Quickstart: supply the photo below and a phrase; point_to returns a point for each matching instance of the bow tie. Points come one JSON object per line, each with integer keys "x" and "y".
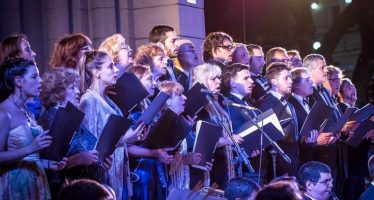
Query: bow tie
{"x": 284, "y": 99}
{"x": 305, "y": 101}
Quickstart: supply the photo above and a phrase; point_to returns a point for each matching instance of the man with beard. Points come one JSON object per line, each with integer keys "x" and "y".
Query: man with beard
{"x": 185, "y": 61}
{"x": 166, "y": 36}
{"x": 316, "y": 180}
{"x": 257, "y": 63}
{"x": 279, "y": 78}
{"x": 217, "y": 49}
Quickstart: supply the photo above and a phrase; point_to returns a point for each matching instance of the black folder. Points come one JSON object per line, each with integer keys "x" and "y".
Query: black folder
{"x": 113, "y": 131}
{"x": 342, "y": 120}
{"x": 363, "y": 113}
{"x": 152, "y": 110}
{"x": 207, "y": 136}
{"x": 360, "y": 133}
{"x": 129, "y": 92}
{"x": 169, "y": 130}
{"x": 65, "y": 123}
{"x": 196, "y": 100}
{"x": 251, "y": 135}
{"x": 316, "y": 119}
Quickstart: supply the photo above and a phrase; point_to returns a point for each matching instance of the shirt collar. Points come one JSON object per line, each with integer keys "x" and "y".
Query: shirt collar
{"x": 276, "y": 94}
{"x": 309, "y": 196}
{"x": 298, "y": 97}
{"x": 237, "y": 95}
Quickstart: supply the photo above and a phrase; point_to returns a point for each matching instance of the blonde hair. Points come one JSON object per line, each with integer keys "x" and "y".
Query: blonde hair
{"x": 112, "y": 45}
{"x": 202, "y": 73}
{"x": 171, "y": 87}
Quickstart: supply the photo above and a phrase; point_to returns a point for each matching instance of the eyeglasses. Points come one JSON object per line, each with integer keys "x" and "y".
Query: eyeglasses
{"x": 227, "y": 47}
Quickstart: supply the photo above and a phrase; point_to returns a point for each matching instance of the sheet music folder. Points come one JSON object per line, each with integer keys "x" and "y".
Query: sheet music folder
{"x": 269, "y": 122}
{"x": 342, "y": 120}
{"x": 360, "y": 133}
{"x": 168, "y": 132}
{"x": 316, "y": 119}
{"x": 65, "y": 123}
{"x": 150, "y": 112}
{"x": 113, "y": 131}
{"x": 363, "y": 113}
{"x": 129, "y": 92}
{"x": 207, "y": 136}
{"x": 195, "y": 100}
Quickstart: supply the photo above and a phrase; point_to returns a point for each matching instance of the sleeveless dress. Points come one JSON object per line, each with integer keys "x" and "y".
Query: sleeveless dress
{"x": 26, "y": 178}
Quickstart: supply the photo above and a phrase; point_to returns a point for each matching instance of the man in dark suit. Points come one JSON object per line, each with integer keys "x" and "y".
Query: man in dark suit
{"x": 185, "y": 61}
{"x": 257, "y": 63}
{"x": 302, "y": 87}
{"x": 331, "y": 154}
{"x": 316, "y": 180}
{"x": 237, "y": 84}
{"x": 279, "y": 79}
{"x": 369, "y": 192}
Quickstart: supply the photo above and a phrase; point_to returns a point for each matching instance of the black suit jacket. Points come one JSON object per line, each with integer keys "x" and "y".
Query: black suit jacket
{"x": 368, "y": 194}
{"x": 260, "y": 89}
{"x": 306, "y": 150}
{"x": 239, "y": 116}
{"x": 289, "y": 143}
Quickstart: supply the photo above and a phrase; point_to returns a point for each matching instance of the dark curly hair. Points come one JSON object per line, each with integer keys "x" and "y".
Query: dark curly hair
{"x": 211, "y": 43}
{"x": 9, "y": 71}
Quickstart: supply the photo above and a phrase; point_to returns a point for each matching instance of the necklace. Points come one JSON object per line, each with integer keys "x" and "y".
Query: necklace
{"x": 22, "y": 109}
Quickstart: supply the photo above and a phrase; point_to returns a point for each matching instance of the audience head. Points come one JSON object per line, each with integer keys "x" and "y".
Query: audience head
{"x": 348, "y": 92}
{"x": 281, "y": 190}
{"x": 186, "y": 54}
{"x": 218, "y": 46}
{"x": 154, "y": 56}
{"x": 277, "y": 54}
{"x": 177, "y": 99}
{"x": 257, "y": 58}
{"x": 317, "y": 67}
{"x": 295, "y": 58}
{"x": 16, "y": 46}
{"x": 116, "y": 47}
{"x": 165, "y": 35}
{"x": 315, "y": 177}
{"x": 279, "y": 78}
{"x": 98, "y": 68}
{"x": 302, "y": 83}
{"x": 20, "y": 77}
{"x": 144, "y": 74}
{"x": 334, "y": 76}
{"x": 240, "y": 54}
{"x": 68, "y": 51}
{"x": 209, "y": 75}
{"x": 60, "y": 86}
{"x": 85, "y": 189}
{"x": 237, "y": 79}
{"x": 241, "y": 188}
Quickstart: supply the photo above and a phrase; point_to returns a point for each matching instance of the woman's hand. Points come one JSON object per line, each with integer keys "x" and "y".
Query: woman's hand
{"x": 40, "y": 142}
{"x": 163, "y": 156}
{"x": 135, "y": 135}
{"x": 255, "y": 153}
{"x": 108, "y": 162}
{"x": 324, "y": 138}
{"x": 191, "y": 158}
{"x": 88, "y": 157}
{"x": 56, "y": 166}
